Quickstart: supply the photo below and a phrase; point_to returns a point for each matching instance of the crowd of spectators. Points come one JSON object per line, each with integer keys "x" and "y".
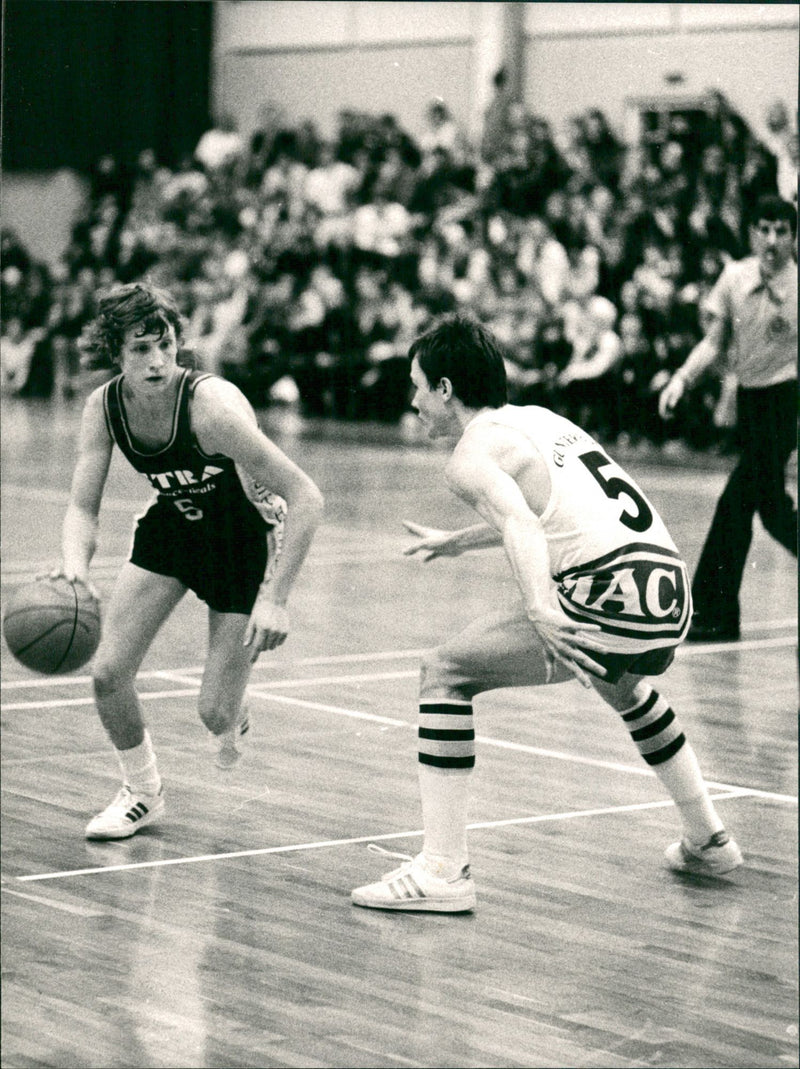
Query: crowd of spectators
{"x": 306, "y": 266}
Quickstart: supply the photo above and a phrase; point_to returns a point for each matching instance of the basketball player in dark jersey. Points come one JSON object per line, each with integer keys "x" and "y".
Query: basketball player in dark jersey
{"x": 233, "y": 519}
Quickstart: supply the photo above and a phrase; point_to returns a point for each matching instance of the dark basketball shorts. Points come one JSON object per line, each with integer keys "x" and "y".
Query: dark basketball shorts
{"x": 223, "y": 566}
{"x": 649, "y": 663}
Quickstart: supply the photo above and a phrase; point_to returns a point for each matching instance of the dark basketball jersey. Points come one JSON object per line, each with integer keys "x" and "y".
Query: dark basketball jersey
{"x": 202, "y": 527}
{"x": 202, "y": 488}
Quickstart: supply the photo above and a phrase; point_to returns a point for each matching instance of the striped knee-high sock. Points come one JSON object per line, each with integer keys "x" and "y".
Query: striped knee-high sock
{"x": 446, "y": 759}
{"x": 654, "y": 729}
{"x": 658, "y": 735}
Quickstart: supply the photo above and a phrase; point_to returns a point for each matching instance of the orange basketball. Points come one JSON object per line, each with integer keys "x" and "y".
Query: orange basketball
{"x": 52, "y": 625}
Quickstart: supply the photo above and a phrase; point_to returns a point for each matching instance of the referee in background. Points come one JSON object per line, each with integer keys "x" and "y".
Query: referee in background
{"x": 753, "y": 310}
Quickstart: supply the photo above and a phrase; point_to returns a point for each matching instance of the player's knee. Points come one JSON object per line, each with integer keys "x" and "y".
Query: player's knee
{"x": 109, "y": 676}
{"x": 440, "y": 677}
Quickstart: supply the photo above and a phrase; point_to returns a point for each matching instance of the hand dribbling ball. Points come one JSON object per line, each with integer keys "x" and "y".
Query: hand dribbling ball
{"x": 52, "y": 625}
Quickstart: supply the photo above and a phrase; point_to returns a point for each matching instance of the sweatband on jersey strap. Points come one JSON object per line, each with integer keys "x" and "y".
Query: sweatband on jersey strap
{"x": 446, "y": 734}
{"x": 655, "y": 729}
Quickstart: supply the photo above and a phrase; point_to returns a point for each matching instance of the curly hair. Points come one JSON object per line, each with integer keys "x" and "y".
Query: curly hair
{"x": 119, "y": 309}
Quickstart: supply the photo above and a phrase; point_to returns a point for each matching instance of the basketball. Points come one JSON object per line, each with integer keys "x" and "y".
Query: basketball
{"x": 52, "y": 625}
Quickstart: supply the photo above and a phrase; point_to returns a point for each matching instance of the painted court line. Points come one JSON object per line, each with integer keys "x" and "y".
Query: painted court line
{"x": 197, "y": 669}
{"x": 64, "y": 907}
{"x": 181, "y": 674}
{"x": 54, "y": 703}
{"x": 517, "y": 747}
{"x": 372, "y": 677}
{"x": 296, "y": 847}
{"x": 285, "y": 699}
{"x": 392, "y": 655}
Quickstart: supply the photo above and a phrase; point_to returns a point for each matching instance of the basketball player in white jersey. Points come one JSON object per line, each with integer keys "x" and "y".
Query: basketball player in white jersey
{"x": 605, "y": 599}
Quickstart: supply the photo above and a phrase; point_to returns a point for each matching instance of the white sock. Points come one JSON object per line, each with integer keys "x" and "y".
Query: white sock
{"x": 139, "y": 768}
{"x": 683, "y": 779}
{"x": 445, "y": 797}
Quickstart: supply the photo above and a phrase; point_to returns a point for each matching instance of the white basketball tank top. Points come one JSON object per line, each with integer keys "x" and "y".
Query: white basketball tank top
{"x": 611, "y": 556}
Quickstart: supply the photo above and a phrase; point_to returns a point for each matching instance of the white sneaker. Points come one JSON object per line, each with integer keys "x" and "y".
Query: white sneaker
{"x": 226, "y": 753}
{"x": 719, "y": 855}
{"x": 126, "y": 814}
{"x": 415, "y": 885}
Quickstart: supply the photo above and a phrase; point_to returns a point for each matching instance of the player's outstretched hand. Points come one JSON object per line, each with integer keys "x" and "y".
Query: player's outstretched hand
{"x": 432, "y": 542}
{"x": 568, "y": 644}
{"x": 670, "y": 396}
{"x": 72, "y": 577}
{"x": 267, "y": 627}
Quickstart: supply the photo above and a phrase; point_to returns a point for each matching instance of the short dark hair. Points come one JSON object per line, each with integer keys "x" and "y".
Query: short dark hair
{"x": 123, "y": 307}
{"x": 462, "y": 350}
{"x": 775, "y": 210}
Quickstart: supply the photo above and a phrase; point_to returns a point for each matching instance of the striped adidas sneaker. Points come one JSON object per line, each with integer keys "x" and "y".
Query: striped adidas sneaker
{"x": 415, "y": 886}
{"x": 126, "y": 814}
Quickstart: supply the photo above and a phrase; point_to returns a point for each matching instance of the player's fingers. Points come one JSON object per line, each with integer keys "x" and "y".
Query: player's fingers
{"x": 579, "y": 674}
{"x": 589, "y": 642}
{"x": 409, "y": 551}
{"x": 592, "y": 667}
{"x": 570, "y": 662}
{"x": 572, "y": 651}
{"x": 414, "y": 528}
{"x": 90, "y": 587}
{"x": 576, "y": 637}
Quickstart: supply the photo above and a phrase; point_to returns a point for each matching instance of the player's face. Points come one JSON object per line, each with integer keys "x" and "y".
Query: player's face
{"x": 429, "y": 404}
{"x": 149, "y": 361}
{"x": 772, "y": 243}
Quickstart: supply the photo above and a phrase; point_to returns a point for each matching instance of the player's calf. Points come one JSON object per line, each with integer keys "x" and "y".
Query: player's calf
{"x": 706, "y": 848}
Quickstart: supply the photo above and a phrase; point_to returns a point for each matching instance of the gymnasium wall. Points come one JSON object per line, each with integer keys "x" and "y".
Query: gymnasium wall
{"x": 317, "y": 84}
{"x": 318, "y": 56}
{"x": 748, "y": 51}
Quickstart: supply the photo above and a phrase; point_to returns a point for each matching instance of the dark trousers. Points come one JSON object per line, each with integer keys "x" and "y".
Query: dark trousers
{"x": 767, "y": 433}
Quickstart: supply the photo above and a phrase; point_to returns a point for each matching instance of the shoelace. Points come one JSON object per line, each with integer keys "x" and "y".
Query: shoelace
{"x": 406, "y": 859}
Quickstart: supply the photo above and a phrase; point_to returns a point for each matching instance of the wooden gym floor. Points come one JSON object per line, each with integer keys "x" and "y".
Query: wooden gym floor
{"x": 224, "y": 935}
